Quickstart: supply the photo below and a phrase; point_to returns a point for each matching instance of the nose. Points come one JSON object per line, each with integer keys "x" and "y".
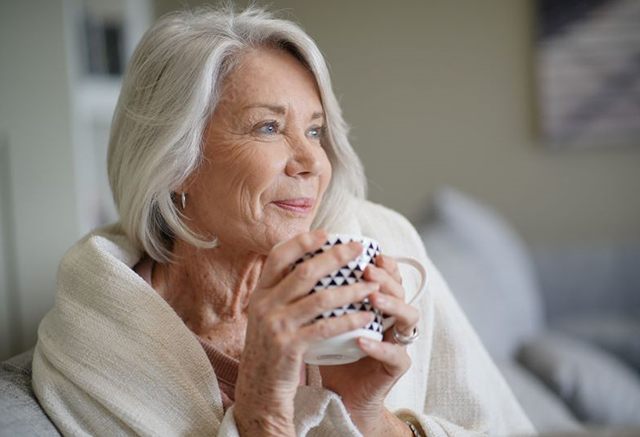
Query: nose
{"x": 304, "y": 159}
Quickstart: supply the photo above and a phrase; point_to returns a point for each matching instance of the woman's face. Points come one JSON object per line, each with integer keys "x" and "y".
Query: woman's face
{"x": 264, "y": 170}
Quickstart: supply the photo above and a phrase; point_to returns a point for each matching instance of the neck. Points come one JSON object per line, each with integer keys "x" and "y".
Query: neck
{"x": 210, "y": 290}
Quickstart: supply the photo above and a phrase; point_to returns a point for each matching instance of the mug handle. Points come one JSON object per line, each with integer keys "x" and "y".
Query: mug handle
{"x": 389, "y": 321}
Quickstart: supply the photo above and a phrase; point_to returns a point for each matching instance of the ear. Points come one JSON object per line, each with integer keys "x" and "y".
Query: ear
{"x": 189, "y": 182}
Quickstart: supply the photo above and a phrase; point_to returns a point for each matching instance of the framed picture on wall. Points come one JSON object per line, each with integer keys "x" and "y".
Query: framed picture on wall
{"x": 588, "y": 72}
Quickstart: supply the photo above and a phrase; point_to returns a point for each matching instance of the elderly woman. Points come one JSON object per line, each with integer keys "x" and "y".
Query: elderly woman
{"x": 228, "y": 161}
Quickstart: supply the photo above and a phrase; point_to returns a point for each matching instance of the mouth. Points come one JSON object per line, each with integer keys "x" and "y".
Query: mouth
{"x": 302, "y": 205}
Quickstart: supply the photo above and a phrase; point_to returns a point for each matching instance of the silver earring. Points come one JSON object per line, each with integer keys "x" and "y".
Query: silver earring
{"x": 183, "y": 200}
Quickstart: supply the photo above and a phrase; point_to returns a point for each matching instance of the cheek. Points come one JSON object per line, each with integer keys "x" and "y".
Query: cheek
{"x": 327, "y": 171}
{"x": 249, "y": 173}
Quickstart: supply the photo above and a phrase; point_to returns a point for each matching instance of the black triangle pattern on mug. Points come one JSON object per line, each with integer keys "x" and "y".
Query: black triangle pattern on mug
{"x": 347, "y": 275}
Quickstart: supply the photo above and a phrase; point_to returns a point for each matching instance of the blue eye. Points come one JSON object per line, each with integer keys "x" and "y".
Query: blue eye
{"x": 269, "y": 128}
{"x": 316, "y": 132}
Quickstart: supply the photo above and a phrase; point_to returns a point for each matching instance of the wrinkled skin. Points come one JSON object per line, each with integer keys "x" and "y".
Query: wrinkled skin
{"x": 241, "y": 296}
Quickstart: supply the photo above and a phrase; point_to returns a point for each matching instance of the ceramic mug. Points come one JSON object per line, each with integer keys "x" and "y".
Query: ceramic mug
{"x": 343, "y": 348}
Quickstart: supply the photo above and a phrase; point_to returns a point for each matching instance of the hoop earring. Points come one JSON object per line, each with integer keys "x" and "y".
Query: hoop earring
{"x": 183, "y": 200}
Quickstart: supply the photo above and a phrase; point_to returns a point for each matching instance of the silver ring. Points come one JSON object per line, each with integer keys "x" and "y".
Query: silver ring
{"x": 405, "y": 339}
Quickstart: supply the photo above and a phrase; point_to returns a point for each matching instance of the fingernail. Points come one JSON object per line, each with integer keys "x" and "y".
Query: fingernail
{"x": 369, "y": 315}
{"x": 366, "y": 343}
{"x": 368, "y": 318}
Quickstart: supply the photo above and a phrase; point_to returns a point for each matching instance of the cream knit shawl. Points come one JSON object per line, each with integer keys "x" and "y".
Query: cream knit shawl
{"x": 113, "y": 358}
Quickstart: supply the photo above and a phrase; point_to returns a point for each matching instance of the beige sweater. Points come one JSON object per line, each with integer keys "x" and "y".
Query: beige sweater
{"x": 113, "y": 358}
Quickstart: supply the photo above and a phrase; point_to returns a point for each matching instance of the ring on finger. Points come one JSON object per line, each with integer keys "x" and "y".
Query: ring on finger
{"x": 405, "y": 339}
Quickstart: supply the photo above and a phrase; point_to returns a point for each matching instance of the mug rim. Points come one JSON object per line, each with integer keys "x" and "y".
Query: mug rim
{"x": 353, "y": 237}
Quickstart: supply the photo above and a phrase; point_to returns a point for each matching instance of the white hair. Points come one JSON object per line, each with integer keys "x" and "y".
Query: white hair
{"x": 171, "y": 88}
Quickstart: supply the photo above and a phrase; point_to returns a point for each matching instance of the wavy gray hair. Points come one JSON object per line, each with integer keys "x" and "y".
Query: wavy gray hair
{"x": 171, "y": 88}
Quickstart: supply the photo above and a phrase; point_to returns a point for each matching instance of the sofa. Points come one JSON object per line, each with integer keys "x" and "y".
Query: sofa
{"x": 20, "y": 412}
{"x": 562, "y": 322}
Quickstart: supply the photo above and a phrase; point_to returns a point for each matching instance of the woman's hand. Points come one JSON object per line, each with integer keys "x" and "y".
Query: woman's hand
{"x": 279, "y": 332}
{"x": 364, "y": 385}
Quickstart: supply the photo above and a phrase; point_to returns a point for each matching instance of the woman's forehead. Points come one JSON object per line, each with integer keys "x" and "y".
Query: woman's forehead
{"x": 268, "y": 78}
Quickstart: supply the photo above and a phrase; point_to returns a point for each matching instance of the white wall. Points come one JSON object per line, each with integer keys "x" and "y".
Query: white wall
{"x": 6, "y": 295}
{"x": 34, "y": 117}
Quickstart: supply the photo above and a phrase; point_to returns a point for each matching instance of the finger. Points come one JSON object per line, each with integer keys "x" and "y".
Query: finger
{"x": 309, "y": 307}
{"x": 306, "y": 275}
{"x": 327, "y": 328}
{"x": 390, "y": 265}
{"x": 393, "y": 357}
{"x": 284, "y": 254}
{"x": 407, "y": 316}
{"x": 387, "y": 283}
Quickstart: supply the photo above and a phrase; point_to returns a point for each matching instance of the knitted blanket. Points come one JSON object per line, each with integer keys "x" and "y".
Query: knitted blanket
{"x": 113, "y": 358}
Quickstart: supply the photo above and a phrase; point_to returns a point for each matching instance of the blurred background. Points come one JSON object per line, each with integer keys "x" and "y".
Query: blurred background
{"x": 507, "y": 131}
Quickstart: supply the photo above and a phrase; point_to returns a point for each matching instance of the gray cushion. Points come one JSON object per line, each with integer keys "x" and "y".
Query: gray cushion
{"x": 20, "y": 413}
{"x": 599, "y": 388}
{"x": 545, "y": 410}
{"x": 605, "y": 274}
{"x": 487, "y": 267}
{"x": 615, "y": 333}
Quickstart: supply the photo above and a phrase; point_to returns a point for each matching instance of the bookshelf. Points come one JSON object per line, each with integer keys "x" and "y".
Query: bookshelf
{"x": 101, "y": 37}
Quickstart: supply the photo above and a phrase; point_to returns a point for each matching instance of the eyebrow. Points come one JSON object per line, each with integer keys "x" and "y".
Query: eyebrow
{"x": 281, "y": 110}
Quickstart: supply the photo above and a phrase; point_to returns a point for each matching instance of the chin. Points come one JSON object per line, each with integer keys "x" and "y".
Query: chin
{"x": 286, "y": 232}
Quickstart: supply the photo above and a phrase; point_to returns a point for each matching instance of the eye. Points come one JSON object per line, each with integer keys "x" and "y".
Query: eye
{"x": 315, "y": 132}
{"x": 271, "y": 127}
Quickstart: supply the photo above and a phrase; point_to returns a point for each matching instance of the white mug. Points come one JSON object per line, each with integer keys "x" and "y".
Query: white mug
{"x": 343, "y": 348}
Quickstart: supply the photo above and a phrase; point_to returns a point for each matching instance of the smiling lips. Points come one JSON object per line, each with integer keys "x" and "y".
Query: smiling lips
{"x": 301, "y": 204}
